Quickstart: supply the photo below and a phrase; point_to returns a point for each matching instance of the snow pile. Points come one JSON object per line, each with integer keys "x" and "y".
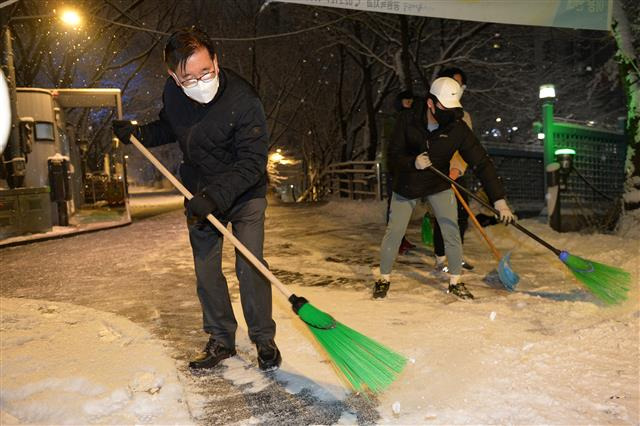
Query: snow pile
{"x": 65, "y": 364}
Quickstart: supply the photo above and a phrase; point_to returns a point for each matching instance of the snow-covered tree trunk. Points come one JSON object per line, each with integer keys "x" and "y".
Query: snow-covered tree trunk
{"x": 628, "y": 60}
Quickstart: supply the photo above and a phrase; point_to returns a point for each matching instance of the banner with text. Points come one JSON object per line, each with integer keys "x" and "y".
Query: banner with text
{"x": 579, "y": 14}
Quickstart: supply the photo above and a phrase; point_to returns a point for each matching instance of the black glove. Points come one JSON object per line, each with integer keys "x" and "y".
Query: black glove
{"x": 123, "y": 129}
{"x": 201, "y": 205}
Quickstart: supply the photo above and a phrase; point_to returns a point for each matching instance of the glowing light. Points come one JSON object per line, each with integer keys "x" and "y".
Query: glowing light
{"x": 277, "y": 157}
{"x": 540, "y": 135}
{"x": 70, "y": 17}
{"x": 498, "y": 120}
{"x": 564, "y": 151}
{"x": 547, "y": 91}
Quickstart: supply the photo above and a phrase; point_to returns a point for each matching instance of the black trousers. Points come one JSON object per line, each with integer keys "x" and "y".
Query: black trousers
{"x": 247, "y": 221}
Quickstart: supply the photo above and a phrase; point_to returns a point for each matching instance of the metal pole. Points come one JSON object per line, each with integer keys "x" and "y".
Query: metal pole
{"x": 378, "y": 182}
{"x": 547, "y": 128}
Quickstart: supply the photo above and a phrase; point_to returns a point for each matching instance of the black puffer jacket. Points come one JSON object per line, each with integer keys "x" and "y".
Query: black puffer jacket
{"x": 411, "y": 137}
{"x": 224, "y": 143}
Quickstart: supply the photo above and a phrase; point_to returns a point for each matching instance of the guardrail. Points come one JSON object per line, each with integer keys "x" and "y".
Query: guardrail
{"x": 353, "y": 180}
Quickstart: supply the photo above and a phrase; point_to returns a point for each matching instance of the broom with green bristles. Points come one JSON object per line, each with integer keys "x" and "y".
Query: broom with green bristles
{"x": 368, "y": 365}
{"x": 609, "y": 283}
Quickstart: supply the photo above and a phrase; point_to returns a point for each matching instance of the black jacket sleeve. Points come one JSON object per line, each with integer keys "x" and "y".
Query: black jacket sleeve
{"x": 398, "y": 156}
{"x": 250, "y": 157}
{"x": 157, "y": 132}
{"x": 478, "y": 159}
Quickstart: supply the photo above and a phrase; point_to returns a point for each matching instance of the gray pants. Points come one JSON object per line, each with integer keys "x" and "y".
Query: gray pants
{"x": 247, "y": 220}
{"x": 444, "y": 207}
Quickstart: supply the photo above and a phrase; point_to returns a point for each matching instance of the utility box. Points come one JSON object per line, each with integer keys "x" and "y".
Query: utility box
{"x": 9, "y": 214}
{"x": 24, "y": 211}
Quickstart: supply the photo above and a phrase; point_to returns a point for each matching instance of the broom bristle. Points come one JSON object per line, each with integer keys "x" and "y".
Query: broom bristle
{"x": 314, "y": 317}
{"x": 608, "y": 283}
{"x": 365, "y": 363}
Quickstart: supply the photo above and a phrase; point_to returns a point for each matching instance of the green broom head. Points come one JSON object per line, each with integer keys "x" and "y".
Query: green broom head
{"x": 608, "y": 283}
{"x": 366, "y": 364}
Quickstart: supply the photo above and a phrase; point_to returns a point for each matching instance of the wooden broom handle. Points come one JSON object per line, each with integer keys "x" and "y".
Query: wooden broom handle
{"x": 493, "y": 248}
{"x": 215, "y": 222}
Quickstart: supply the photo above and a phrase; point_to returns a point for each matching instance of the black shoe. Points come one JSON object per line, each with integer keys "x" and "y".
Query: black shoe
{"x": 380, "y": 288}
{"x": 466, "y": 265}
{"x": 269, "y": 358}
{"x": 212, "y": 354}
{"x": 460, "y": 290}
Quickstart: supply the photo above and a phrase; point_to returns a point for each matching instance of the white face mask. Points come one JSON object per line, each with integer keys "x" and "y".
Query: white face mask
{"x": 203, "y": 92}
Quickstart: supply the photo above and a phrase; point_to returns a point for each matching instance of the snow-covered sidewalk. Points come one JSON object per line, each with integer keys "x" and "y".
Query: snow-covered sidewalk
{"x": 548, "y": 353}
{"x": 67, "y": 364}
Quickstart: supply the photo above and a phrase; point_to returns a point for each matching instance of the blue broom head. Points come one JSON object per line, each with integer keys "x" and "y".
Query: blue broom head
{"x": 608, "y": 283}
{"x": 508, "y": 277}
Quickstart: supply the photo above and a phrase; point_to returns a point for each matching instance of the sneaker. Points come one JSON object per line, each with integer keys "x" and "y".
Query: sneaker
{"x": 466, "y": 265}
{"x": 440, "y": 271}
{"x": 269, "y": 358}
{"x": 380, "y": 288}
{"x": 460, "y": 290}
{"x": 213, "y": 353}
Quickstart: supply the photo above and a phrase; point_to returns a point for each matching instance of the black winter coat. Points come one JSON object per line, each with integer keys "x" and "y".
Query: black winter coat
{"x": 411, "y": 137}
{"x": 224, "y": 143}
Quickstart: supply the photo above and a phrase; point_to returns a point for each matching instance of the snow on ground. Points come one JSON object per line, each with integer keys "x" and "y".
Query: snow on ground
{"x": 548, "y": 353}
{"x": 66, "y": 364}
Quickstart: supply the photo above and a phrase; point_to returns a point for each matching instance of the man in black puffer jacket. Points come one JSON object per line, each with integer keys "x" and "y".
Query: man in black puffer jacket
{"x": 429, "y": 134}
{"x": 218, "y": 120}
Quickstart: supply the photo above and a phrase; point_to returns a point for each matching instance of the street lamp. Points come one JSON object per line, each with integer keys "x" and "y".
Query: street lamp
{"x": 71, "y": 18}
{"x": 548, "y": 95}
{"x": 547, "y": 91}
{"x": 557, "y": 176}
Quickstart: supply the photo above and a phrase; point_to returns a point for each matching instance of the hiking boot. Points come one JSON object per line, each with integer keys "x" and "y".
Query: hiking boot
{"x": 213, "y": 353}
{"x": 269, "y": 358}
{"x": 380, "y": 288}
{"x": 460, "y": 290}
{"x": 466, "y": 265}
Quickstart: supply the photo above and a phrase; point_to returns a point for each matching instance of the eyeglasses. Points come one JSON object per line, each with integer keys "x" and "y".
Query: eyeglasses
{"x": 193, "y": 82}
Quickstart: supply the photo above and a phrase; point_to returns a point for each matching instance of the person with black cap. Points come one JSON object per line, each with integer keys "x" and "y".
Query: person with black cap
{"x": 428, "y": 135}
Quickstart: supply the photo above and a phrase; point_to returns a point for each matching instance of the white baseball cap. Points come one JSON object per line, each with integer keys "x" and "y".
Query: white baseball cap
{"x": 448, "y": 92}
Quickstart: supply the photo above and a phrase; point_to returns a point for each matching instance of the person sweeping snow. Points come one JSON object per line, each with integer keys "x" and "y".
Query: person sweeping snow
{"x": 218, "y": 120}
{"x": 418, "y": 145}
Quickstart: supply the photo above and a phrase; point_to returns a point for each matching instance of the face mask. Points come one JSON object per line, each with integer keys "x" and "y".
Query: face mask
{"x": 444, "y": 117}
{"x": 203, "y": 92}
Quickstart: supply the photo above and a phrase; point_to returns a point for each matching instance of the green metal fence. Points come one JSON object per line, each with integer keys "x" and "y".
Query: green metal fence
{"x": 600, "y": 157}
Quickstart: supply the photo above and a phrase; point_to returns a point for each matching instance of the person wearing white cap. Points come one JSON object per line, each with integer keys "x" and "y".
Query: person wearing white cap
{"x": 417, "y": 146}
